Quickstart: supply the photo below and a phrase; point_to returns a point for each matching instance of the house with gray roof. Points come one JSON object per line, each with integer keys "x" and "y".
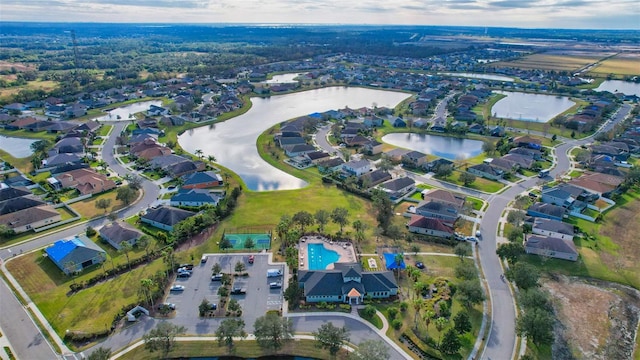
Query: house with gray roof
{"x": 346, "y": 283}
{"x": 298, "y": 149}
{"x": 76, "y": 254}
{"x": 202, "y": 180}
{"x": 398, "y": 187}
{"x": 374, "y": 178}
{"x": 551, "y": 247}
{"x": 552, "y": 228}
{"x": 330, "y": 165}
{"x": 356, "y": 167}
{"x": 118, "y": 232}
{"x": 438, "y": 210}
{"x": 486, "y": 171}
{"x": 414, "y": 159}
{"x": 62, "y": 159}
{"x": 165, "y": 217}
{"x": 547, "y": 211}
{"x": 195, "y": 198}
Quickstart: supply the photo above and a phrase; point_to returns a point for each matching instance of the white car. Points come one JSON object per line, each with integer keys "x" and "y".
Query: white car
{"x": 177, "y": 288}
{"x": 275, "y": 285}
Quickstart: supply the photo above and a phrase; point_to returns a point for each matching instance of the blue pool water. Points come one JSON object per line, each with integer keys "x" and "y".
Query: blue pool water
{"x": 320, "y": 257}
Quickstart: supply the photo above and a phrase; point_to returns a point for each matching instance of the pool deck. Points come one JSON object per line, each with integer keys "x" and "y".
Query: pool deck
{"x": 347, "y": 253}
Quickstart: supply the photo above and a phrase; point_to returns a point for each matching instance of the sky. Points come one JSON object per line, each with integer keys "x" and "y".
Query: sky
{"x": 568, "y": 14}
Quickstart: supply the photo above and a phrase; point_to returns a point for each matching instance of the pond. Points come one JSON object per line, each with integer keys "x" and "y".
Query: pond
{"x": 126, "y": 112}
{"x": 442, "y": 146}
{"x": 530, "y": 107}
{"x": 233, "y": 142}
{"x": 480, "y": 76}
{"x": 618, "y": 86}
{"x": 16, "y": 147}
{"x": 282, "y": 79}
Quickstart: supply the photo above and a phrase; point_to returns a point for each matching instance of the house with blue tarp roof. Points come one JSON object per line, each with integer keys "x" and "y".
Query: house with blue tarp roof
{"x": 75, "y": 254}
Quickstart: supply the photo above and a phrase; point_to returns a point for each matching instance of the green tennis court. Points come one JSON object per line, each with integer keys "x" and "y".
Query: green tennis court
{"x": 260, "y": 241}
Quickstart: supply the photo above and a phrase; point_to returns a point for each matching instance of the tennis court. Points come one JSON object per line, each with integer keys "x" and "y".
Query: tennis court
{"x": 260, "y": 240}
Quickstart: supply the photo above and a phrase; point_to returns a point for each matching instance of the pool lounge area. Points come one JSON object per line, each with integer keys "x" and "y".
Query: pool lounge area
{"x": 319, "y": 253}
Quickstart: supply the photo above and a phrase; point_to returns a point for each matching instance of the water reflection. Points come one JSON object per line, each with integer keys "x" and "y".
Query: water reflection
{"x": 442, "y": 146}
{"x": 530, "y": 107}
{"x": 233, "y": 142}
{"x": 126, "y": 112}
{"x": 618, "y": 86}
{"x": 16, "y": 147}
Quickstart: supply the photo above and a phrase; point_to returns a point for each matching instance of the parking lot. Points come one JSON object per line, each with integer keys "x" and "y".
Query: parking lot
{"x": 258, "y": 299}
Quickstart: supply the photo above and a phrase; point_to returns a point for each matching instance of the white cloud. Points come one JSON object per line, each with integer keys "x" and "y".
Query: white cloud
{"x": 520, "y": 13}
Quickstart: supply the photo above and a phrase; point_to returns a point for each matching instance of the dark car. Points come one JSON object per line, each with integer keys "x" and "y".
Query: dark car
{"x": 238, "y": 291}
{"x": 184, "y": 274}
{"x": 420, "y": 265}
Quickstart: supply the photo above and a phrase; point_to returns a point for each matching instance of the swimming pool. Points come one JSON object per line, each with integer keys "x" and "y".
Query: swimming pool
{"x": 320, "y": 257}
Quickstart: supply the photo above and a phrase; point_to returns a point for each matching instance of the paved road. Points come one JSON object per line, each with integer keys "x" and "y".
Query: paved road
{"x": 502, "y": 338}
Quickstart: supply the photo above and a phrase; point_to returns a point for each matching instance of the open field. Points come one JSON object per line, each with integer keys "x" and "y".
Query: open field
{"x": 551, "y": 62}
{"x": 628, "y": 64}
{"x": 88, "y": 210}
{"x": 45, "y": 85}
{"x": 88, "y": 310}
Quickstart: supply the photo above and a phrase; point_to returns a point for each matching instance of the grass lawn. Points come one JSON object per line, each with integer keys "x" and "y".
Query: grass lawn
{"x": 153, "y": 175}
{"x": 66, "y": 214}
{"x": 23, "y": 164}
{"x": 417, "y": 196}
{"x": 575, "y": 173}
{"x": 480, "y": 184}
{"x": 98, "y": 141}
{"x": 105, "y": 130}
{"x": 365, "y": 263}
{"x": 475, "y": 203}
{"x": 29, "y": 134}
{"x": 88, "y": 310}
{"x": 244, "y": 349}
{"x": 88, "y": 209}
{"x": 374, "y": 320}
{"x": 424, "y": 187}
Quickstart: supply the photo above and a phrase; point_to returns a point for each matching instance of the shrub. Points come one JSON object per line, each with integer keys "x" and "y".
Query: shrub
{"x": 91, "y": 232}
{"x": 392, "y": 312}
{"x": 403, "y": 306}
{"x": 396, "y": 324}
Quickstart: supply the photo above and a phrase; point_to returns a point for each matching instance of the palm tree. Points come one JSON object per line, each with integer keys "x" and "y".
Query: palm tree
{"x": 417, "y": 287}
{"x": 125, "y": 248}
{"x": 198, "y": 153}
{"x": 427, "y": 316}
{"x": 211, "y": 158}
{"x": 417, "y": 306}
{"x": 147, "y": 286}
{"x": 144, "y": 242}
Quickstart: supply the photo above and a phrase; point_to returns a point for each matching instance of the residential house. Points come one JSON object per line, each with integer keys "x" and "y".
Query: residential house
{"x": 62, "y": 159}
{"x": 119, "y": 232}
{"x": 356, "y": 167}
{"x": 445, "y": 197}
{"x": 532, "y": 153}
{"x": 395, "y": 155}
{"x": 89, "y": 126}
{"x": 330, "y": 165}
{"x": 593, "y": 185}
{"x": 414, "y": 159}
{"x": 165, "y": 217}
{"x": 557, "y": 196}
{"x": 87, "y": 181}
{"x": 374, "y": 178}
{"x": 486, "y": 171}
{"x": 552, "y": 228}
{"x": 505, "y": 165}
{"x": 372, "y": 147}
{"x": 28, "y": 218}
{"x": 317, "y": 156}
{"x": 346, "y": 283}
{"x": 357, "y": 140}
{"x": 547, "y": 211}
{"x": 201, "y": 180}
{"x": 497, "y": 131}
{"x": 157, "y": 111}
{"x": 135, "y": 140}
{"x": 429, "y": 226}
{"x": 184, "y": 168}
{"x": 76, "y": 254}
{"x": 447, "y": 213}
{"x": 551, "y": 247}
{"x": 399, "y": 123}
{"x": 56, "y": 127}
{"x": 72, "y": 145}
{"x": 520, "y": 161}
{"x": 290, "y": 141}
{"x": 398, "y": 188}
{"x": 195, "y": 198}
{"x": 527, "y": 141}
{"x": 297, "y": 150}
{"x": 435, "y": 164}
{"x": 476, "y": 128}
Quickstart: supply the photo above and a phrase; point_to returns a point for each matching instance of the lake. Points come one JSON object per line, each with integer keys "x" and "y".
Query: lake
{"x": 618, "y": 86}
{"x": 16, "y": 147}
{"x": 233, "y": 142}
{"x": 128, "y": 110}
{"x": 530, "y": 107}
{"x": 282, "y": 79}
{"x": 480, "y": 76}
{"x": 442, "y": 146}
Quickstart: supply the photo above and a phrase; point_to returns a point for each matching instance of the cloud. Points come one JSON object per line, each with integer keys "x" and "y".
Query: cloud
{"x": 513, "y": 4}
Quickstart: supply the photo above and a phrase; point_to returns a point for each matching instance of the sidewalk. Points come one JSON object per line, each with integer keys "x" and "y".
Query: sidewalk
{"x": 4, "y": 342}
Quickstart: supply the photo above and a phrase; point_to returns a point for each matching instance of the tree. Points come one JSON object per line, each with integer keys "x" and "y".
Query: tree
{"x": 303, "y": 219}
{"x": 340, "y": 216}
{"x": 534, "y": 298}
{"x": 537, "y": 325}
{"x": 385, "y": 164}
{"x": 225, "y": 244}
{"x": 415, "y": 249}
{"x": 144, "y": 242}
{"x": 36, "y": 161}
{"x": 134, "y": 182}
{"x": 461, "y": 321}
{"x": 394, "y": 232}
{"x": 100, "y": 353}
{"x": 147, "y": 285}
{"x": 370, "y": 350}
{"x": 228, "y": 329}
{"x": 463, "y": 249}
{"x": 441, "y": 323}
{"x": 249, "y": 243}
{"x": 293, "y": 293}
{"x": 5, "y": 232}
{"x": 217, "y": 268}
{"x": 40, "y": 147}
{"x": 489, "y": 147}
{"x": 427, "y": 316}
{"x": 444, "y": 171}
{"x": 470, "y": 292}
{"x": 198, "y": 153}
{"x": 450, "y": 343}
{"x": 211, "y": 158}
{"x": 240, "y": 267}
{"x": 126, "y": 248}
{"x": 467, "y": 178}
{"x": 331, "y": 337}
{"x": 322, "y": 218}
{"x": 515, "y": 217}
{"x": 466, "y": 270}
{"x": 524, "y": 275}
{"x": 510, "y": 251}
{"x": 272, "y": 331}
{"x": 126, "y": 194}
{"x": 103, "y": 203}
{"x": 369, "y": 311}
{"x": 384, "y": 209}
{"x": 515, "y": 235}
{"x": 162, "y": 337}
{"x": 90, "y": 232}
{"x": 417, "y": 306}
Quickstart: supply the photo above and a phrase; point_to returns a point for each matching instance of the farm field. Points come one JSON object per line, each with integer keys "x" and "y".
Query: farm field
{"x": 31, "y": 85}
{"x": 551, "y": 62}
{"x": 618, "y": 65}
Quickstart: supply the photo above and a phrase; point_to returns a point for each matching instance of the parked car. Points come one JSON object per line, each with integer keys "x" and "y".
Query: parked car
{"x": 420, "y": 265}
{"x": 203, "y": 259}
{"x": 275, "y": 285}
{"x": 274, "y": 273}
{"x": 184, "y": 274}
{"x": 252, "y": 258}
{"x": 238, "y": 290}
{"x": 471, "y": 238}
{"x": 186, "y": 266}
{"x": 216, "y": 277}
{"x": 171, "y": 306}
{"x": 213, "y": 306}
{"x": 177, "y": 288}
